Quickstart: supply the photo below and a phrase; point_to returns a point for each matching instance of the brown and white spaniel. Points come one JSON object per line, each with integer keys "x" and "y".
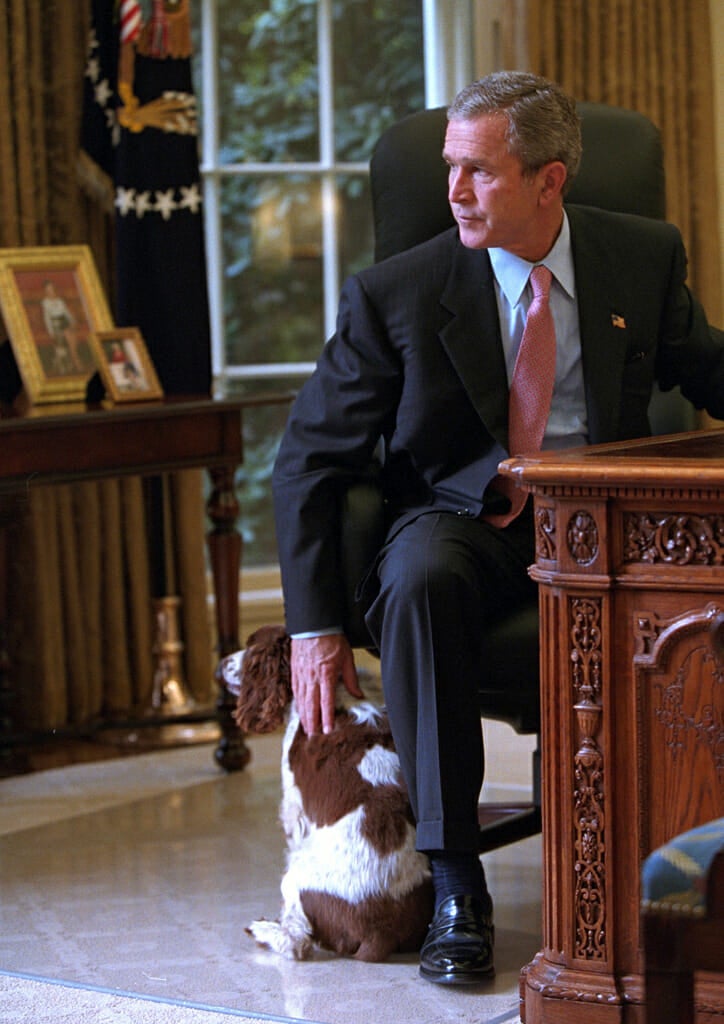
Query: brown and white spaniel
{"x": 354, "y": 882}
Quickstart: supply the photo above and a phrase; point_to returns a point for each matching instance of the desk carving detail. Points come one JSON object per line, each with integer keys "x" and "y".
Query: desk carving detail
{"x": 698, "y": 671}
{"x": 582, "y": 538}
{"x": 545, "y": 532}
{"x": 674, "y": 538}
{"x": 589, "y": 780}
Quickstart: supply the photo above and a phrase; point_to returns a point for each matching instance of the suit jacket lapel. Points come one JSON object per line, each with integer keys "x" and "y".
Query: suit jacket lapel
{"x": 472, "y": 337}
{"x": 602, "y": 325}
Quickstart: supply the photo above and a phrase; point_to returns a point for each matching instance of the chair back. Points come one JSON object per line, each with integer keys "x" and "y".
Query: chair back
{"x": 622, "y": 169}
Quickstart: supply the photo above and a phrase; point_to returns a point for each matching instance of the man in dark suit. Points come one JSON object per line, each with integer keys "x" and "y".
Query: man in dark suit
{"x": 423, "y": 358}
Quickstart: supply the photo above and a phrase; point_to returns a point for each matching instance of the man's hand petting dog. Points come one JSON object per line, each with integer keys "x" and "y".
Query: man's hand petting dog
{"x": 319, "y": 664}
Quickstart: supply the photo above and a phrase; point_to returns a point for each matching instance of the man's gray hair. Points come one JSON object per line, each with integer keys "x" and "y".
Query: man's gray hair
{"x": 543, "y": 124}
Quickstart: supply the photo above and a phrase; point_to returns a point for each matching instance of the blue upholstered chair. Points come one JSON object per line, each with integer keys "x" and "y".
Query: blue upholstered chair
{"x": 682, "y": 890}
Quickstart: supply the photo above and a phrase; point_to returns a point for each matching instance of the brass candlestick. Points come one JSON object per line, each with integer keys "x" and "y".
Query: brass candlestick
{"x": 170, "y": 696}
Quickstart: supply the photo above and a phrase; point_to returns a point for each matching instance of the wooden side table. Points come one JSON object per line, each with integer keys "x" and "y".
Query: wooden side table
{"x": 630, "y": 566}
{"x": 148, "y": 438}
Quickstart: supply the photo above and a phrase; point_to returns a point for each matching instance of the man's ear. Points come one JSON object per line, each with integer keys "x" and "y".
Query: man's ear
{"x": 552, "y": 179}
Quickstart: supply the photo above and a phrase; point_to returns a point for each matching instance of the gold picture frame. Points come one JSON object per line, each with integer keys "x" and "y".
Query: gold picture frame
{"x": 51, "y": 301}
{"x": 125, "y": 366}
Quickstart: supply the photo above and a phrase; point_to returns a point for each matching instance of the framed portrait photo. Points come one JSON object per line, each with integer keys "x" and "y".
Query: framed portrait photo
{"x": 125, "y": 366}
{"x": 51, "y": 301}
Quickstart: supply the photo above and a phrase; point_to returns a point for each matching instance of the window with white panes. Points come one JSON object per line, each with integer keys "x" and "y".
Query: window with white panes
{"x": 293, "y": 95}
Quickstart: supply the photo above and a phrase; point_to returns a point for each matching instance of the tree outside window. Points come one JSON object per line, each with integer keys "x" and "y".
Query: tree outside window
{"x": 299, "y": 92}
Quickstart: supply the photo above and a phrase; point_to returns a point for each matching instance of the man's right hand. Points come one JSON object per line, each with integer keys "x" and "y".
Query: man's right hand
{"x": 318, "y": 664}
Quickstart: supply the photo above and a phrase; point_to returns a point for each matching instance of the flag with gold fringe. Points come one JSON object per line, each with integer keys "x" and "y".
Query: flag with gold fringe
{"x": 140, "y": 148}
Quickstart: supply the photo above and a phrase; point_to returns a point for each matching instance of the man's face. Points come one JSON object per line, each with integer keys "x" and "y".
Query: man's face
{"x": 494, "y": 204}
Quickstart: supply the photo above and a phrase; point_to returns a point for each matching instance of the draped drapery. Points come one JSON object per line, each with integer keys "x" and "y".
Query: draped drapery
{"x": 79, "y": 589}
{"x": 653, "y": 56}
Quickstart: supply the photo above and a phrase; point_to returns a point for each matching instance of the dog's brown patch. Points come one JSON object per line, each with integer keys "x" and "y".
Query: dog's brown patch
{"x": 387, "y": 815}
{"x": 325, "y": 767}
{"x": 374, "y": 928}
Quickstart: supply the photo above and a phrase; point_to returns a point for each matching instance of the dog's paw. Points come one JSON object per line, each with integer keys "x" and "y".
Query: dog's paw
{"x": 274, "y": 936}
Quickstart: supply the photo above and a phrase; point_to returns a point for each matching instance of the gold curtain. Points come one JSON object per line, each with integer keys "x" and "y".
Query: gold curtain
{"x": 653, "y": 56}
{"x": 80, "y": 623}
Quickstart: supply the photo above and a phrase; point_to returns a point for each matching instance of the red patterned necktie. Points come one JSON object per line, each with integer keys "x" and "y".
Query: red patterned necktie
{"x": 531, "y": 388}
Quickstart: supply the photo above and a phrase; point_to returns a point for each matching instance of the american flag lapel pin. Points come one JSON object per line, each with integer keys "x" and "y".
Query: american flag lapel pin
{"x": 618, "y": 321}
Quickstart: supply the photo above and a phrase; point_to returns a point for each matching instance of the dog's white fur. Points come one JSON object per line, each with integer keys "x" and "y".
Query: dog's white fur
{"x": 354, "y": 881}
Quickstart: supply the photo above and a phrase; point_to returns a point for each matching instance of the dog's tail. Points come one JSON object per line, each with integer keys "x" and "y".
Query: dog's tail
{"x": 290, "y": 939}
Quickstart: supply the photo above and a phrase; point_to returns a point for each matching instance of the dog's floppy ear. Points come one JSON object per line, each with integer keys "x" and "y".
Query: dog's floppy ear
{"x": 266, "y": 681}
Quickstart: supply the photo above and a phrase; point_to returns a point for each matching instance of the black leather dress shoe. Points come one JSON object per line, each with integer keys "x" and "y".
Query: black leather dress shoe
{"x": 458, "y": 948}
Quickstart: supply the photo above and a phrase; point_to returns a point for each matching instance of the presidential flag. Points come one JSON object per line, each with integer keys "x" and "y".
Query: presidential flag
{"x": 140, "y": 144}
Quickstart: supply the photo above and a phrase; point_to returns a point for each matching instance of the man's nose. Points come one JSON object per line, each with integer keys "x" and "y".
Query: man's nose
{"x": 458, "y": 185}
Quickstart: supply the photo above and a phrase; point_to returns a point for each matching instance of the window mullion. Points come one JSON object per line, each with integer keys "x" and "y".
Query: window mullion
{"x": 330, "y": 240}
{"x": 211, "y": 185}
{"x": 448, "y": 44}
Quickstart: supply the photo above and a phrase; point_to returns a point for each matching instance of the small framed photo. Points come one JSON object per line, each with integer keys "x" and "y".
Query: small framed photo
{"x": 125, "y": 365}
{"x": 51, "y": 301}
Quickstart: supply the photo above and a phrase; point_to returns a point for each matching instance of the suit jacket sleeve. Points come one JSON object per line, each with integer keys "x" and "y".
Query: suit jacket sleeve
{"x": 333, "y": 428}
{"x": 691, "y": 351}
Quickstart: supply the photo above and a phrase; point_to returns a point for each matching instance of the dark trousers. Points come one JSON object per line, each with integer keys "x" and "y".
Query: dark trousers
{"x": 442, "y": 577}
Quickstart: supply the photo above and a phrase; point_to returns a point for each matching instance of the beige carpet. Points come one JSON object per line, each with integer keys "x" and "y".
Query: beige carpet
{"x": 24, "y": 1000}
{"x": 33, "y": 1001}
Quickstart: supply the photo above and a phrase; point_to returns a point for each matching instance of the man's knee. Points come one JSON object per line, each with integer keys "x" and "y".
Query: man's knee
{"x": 428, "y": 564}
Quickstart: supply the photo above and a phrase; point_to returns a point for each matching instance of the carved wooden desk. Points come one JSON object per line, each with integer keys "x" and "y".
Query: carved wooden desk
{"x": 146, "y": 438}
{"x": 630, "y": 567}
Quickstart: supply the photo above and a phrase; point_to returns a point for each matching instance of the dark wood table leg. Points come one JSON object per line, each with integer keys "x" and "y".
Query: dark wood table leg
{"x": 12, "y": 762}
{"x": 6, "y": 695}
{"x": 225, "y": 546}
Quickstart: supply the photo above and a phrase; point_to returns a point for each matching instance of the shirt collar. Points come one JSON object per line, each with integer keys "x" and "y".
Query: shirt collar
{"x": 512, "y": 272}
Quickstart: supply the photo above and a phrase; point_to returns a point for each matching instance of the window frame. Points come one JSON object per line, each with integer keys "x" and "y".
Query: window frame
{"x": 447, "y": 62}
